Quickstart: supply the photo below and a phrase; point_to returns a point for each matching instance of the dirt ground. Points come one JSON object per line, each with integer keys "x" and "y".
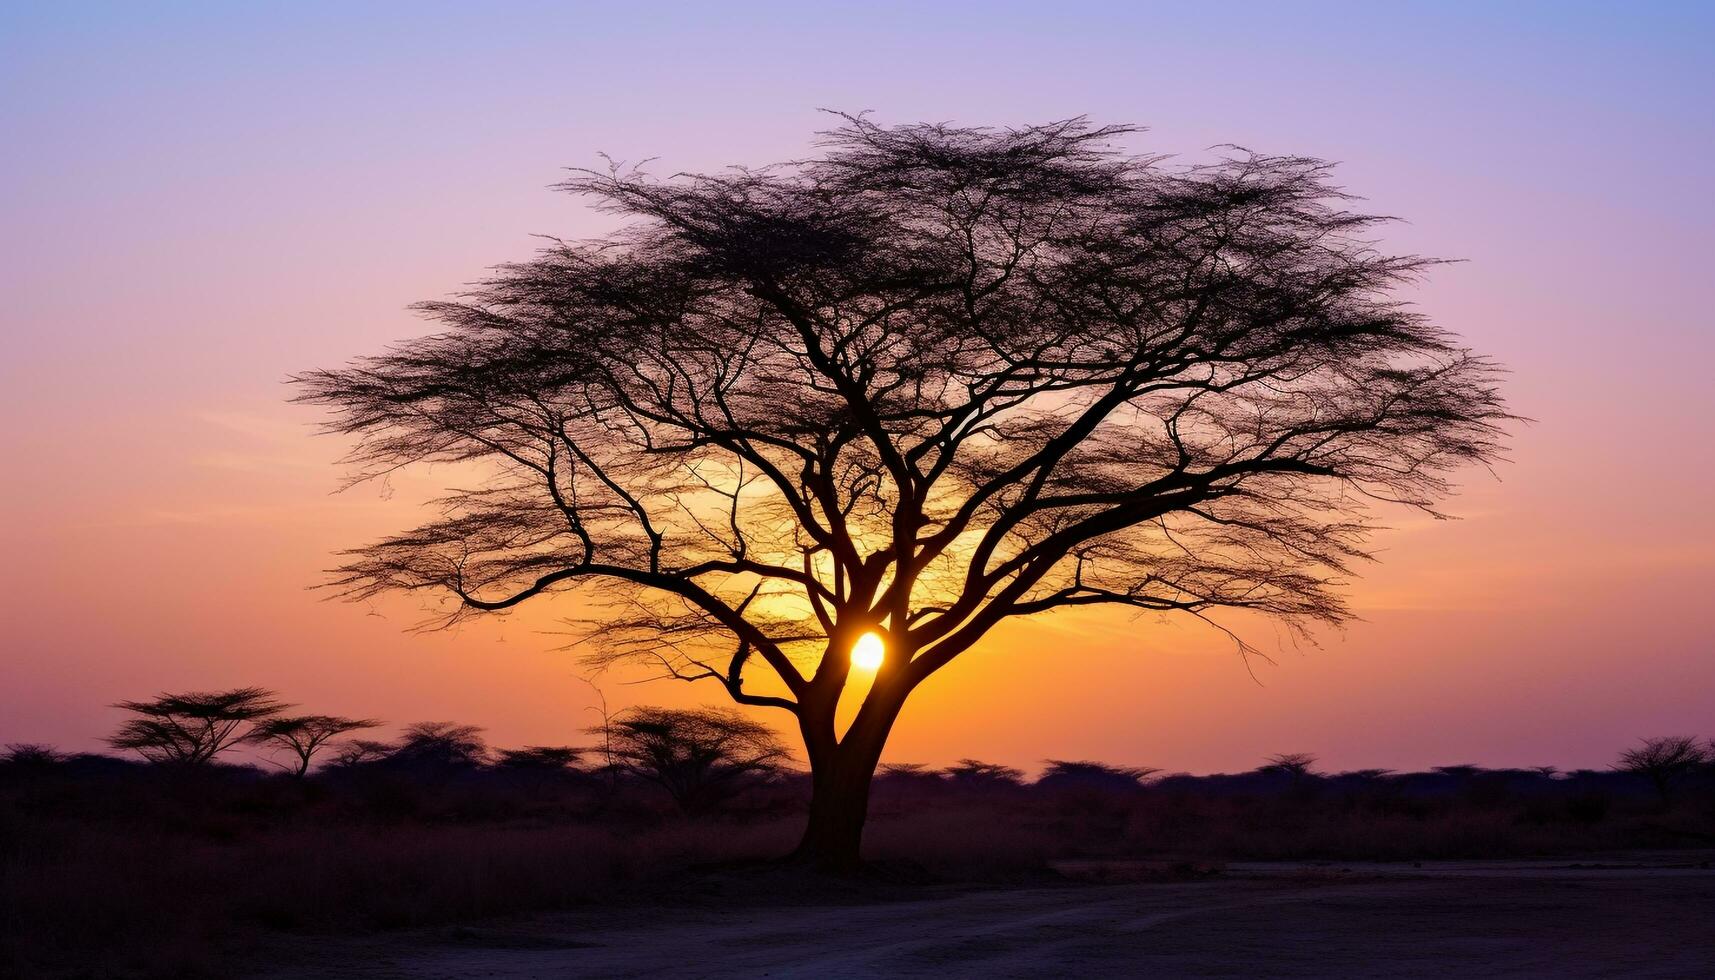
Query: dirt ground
{"x": 1630, "y": 918}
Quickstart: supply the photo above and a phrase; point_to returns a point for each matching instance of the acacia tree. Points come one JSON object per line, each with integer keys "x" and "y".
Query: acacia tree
{"x": 1085, "y": 774}
{"x": 1665, "y": 761}
{"x": 699, "y": 756}
{"x": 192, "y": 728}
{"x": 930, "y": 380}
{"x": 1294, "y": 764}
{"x": 989, "y": 775}
{"x": 440, "y": 745}
{"x": 305, "y": 735}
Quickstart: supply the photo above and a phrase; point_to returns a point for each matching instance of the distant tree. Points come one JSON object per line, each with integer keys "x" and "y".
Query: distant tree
{"x": 1368, "y": 775}
{"x": 440, "y": 745}
{"x": 1294, "y": 764}
{"x": 305, "y": 735}
{"x": 935, "y": 379}
{"x": 541, "y": 757}
{"x": 701, "y": 757}
{"x": 191, "y": 729}
{"x": 32, "y": 755}
{"x": 975, "y": 772}
{"x": 909, "y": 770}
{"x": 1382, "y": 788}
{"x": 358, "y": 752}
{"x": 1461, "y": 771}
{"x": 1061, "y": 773}
{"x": 1665, "y": 761}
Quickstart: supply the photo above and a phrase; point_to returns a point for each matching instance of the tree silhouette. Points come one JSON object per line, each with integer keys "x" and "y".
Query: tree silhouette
{"x": 914, "y": 773}
{"x": 542, "y": 758}
{"x": 191, "y": 729}
{"x": 305, "y": 735}
{"x": 30, "y": 755}
{"x": 978, "y": 774}
{"x": 701, "y": 757}
{"x": 439, "y": 745}
{"x": 1294, "y": 764}
{"x": 359, "y": 752}
{"x": 931, "y": 380}
{"x": 1665, "y": 761}
{"x": 1085, "y": 774}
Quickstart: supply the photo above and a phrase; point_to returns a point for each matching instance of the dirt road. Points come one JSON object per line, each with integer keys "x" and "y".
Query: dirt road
{"x": 1437, "y": 920}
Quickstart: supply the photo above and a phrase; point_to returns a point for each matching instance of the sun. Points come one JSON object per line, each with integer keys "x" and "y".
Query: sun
{"x": 868, "y": 652}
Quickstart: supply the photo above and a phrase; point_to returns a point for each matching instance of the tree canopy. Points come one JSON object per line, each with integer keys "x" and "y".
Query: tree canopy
{"x": 934, "y": 378}
{"x": 305, "y": 735}
{"x": 194, "y": 727}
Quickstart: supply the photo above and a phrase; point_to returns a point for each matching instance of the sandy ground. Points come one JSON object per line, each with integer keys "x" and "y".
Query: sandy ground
{"x": 1520, "y": 919}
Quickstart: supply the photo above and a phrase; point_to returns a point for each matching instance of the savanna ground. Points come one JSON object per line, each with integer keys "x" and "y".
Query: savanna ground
{"x": 1621, "y": 917}
{"x": 112, "y": 869}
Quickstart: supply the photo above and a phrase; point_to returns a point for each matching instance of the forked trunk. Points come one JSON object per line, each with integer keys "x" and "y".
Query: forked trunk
{"x": 840, "y": 777}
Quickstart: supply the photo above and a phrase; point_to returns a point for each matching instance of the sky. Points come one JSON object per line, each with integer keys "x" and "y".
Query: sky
{"x": 197, "y": 200}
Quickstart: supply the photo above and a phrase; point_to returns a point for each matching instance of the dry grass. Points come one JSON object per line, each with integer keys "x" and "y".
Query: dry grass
{"x": 153, "y": 902}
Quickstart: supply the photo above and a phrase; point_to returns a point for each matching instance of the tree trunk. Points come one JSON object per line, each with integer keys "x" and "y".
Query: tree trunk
{"x": 840, "y": 775}
{"x": 839, "y": 803}
{"x": 841, "y": 770}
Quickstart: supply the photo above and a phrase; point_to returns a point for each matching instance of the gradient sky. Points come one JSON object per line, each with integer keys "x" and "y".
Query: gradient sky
{"x": 196, "y": 200}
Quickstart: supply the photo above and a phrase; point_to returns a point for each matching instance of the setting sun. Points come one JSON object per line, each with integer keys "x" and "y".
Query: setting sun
{"x": 868, "y": 652}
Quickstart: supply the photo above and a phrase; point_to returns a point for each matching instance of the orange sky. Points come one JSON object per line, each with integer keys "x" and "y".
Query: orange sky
{"x": 197, "y": 208}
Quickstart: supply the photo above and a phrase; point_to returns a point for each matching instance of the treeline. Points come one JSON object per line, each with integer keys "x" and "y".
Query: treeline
{"x": 698, "y": 758}
{"x": 702, "y": 760}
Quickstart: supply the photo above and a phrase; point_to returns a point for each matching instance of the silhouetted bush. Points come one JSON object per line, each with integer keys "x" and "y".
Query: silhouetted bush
{"x": 1085, "y": 775}
{"x": 26, "y": 755}
{"x": 553, "y": 758}
{"x": 1296, "y": 764}
{"x": 438, "y": 745}
{"x": 976, "y": 774}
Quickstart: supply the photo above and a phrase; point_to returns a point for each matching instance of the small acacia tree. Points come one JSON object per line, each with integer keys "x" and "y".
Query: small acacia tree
{"x": 931, "y": 380}
{"x": 1295, "y": 764}
{"x": 977, "y": 774}
{"x": 440, "y": 745}
{"x": 191, "y": 729}
{"x": 701, "y": 757}
{"x": 1666, "y": 761}
{"x": 305, "y": 735}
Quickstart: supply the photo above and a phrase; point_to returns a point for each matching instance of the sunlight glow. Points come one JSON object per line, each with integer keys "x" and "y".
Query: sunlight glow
{"x": 868, "y": 652}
